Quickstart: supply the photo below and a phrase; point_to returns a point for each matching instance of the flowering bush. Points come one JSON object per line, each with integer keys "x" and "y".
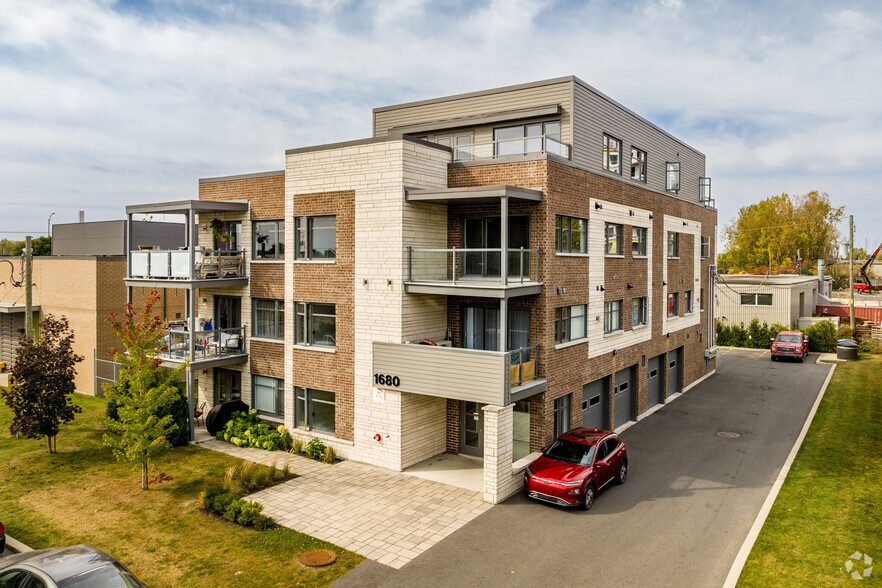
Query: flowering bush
{"x": 247, "y": 430}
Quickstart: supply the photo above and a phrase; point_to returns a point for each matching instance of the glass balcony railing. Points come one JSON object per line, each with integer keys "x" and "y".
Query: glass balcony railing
{"x": 207, "y": 344}
{"x": 175, "y": 264}
{"x": 471, "y": 265}
{"x": 511, "y": 147}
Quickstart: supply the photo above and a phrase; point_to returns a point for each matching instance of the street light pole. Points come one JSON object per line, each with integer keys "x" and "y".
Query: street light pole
{"x": 49, "y": 225}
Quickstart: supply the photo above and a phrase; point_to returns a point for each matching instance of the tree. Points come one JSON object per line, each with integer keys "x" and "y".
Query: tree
{"x": 781, "y": 229}
{"x": 145, "y": 392}
{"x": 44, "y": 373}
{"x": 40, "y": 245}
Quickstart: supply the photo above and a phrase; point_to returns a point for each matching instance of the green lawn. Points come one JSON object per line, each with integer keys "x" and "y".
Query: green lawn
{"x": 82, "y": 495}
{"x": 830, "y": 505}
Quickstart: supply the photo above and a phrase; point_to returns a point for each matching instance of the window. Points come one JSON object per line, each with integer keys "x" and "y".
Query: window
{"x": 227, "y": 385}
{"x": 756, "y": 299}
{"x": 612, "y": 316}
{"x": 315, "y": 237}
{"x": 569, "y": 323}
{"x": 269, "y": 239}
{"x": 570, "y": 235}
{"x": 673, "y": 300}
{"x": 612, "y": 149}
{"x": 528, "y": 138}
{"x": 561, "y": 415}
{"x": 688, "y": 302}
{"x": 704, "y": 190}
{"x": 613, "y": 239}
{"x": 705, "y": 246}
{"x": 638, "y": 311}
{"x": 315, "y": 323}
{"x": 673, "y": 244}
{"x": 672, "y": 176}
{"x": 314, "y": 409}
{"x": 232, "y": 237}
{"x": 638, "y": 240}
{"x": 638, "y": 165}
{"x": 269, "y": 318}
{"x": 269, "y": 395}
{"x": 463, "y": 143}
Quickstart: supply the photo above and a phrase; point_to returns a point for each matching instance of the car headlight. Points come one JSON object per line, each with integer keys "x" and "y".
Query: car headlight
{"x": 575, "y": 483}
{"x": 528, "y": 473}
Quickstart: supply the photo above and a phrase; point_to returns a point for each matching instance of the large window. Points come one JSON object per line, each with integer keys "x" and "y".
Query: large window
{"x": 612, "y": 316}
{"x": 315, "y": 323}
{"x": 268, "y": 395}
{"x": 570, "y": 235}
{"x": 463, "y": 144}
{"x": 528, "y": 138}
{"x": 672, "y": 176}
{"x": 269, "y": 239}
{"x": 705, "y": 246}
{"x": 269, "y": 318}
{"x": 673, "y": 244}
{"x": 315, "y": 237}
{"x": 569, "y": 323}
{"x": 638, "y": 165}
{"x": 613, "y": 239}
{"x": 314, "y": 409}
{"x": 688, "y": 302}
{"x": 562, "y": 415}
{"x": 638, "y": 311}
{"x": 673, "y": 303}
{"x": 756, "y": 299}
{"x": 612, "y": 154}
{"x": 227, "y": 385}
{"x": 638, "y": 240}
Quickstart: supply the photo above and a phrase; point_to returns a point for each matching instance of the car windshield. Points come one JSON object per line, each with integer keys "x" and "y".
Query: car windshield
{"x": 571, "y": 452}
{"x": 788, "y": 338}
{"x": 109, "y": 576}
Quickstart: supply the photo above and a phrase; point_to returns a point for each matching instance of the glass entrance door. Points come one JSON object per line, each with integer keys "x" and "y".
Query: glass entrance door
{"x": 472, "y": 427}
{"x": 227, "y": 312}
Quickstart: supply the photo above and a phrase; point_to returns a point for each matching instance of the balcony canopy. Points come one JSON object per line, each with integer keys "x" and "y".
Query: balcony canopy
{"x": 183, "y": 206}
{"x": 472, "y": 195}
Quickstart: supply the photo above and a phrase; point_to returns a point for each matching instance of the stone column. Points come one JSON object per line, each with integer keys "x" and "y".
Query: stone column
{"x": 498, "y": 443}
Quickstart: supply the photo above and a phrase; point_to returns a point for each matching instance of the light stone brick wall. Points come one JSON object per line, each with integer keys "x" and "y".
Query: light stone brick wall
{"x": 684, "y": 227}
{"x": 501, "y": 479}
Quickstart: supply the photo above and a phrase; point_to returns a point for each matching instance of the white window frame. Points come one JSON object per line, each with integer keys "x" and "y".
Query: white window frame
{"x": 672, "y": 176}
{"x": 612, "y": 149}
{"x": 638, "y": 163}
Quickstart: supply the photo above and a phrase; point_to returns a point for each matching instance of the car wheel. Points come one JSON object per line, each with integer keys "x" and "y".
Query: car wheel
{"x": 588, "y": 502}
{"x": 623, "y": 472}
{"x": 773, "y": 358}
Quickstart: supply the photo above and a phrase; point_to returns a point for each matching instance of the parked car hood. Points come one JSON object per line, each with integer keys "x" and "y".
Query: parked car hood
{"x": 558, "y": 471}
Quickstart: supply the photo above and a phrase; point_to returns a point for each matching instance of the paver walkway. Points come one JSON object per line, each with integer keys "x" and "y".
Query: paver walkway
{"x": 383, "y": 515}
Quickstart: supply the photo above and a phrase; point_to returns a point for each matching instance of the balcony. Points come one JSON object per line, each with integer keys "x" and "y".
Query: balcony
{"x": 210, "y": 267}
{"x": 473, "y": 272}
{"x": 487, "y": 377}
{"x": 212, "y": 348}
{"x": 511, "y": 148}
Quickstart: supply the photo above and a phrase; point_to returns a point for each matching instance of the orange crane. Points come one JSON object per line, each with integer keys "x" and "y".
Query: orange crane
{"x": 867, "y": 285}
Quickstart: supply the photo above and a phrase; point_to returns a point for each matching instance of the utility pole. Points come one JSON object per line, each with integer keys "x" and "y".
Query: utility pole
{"x": 29, "y": 323}
{"x": 851, "y": 271}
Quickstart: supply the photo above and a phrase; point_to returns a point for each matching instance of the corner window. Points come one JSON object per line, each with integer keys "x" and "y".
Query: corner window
{"x": 638, "y": 240}
{"x": 672, "y": 176}
{"x": 673, "y": 302}
{"x": 528, "y": 138}
{"x": 315, "y": 237}
{"x": 613, "y": 239}
{"x": 638, "y": 165}
{"x": 268, "y": 395}
{"x": 315, "y": 323}
{"x": 688, "y": 302}
{"x": 570, "y": 235}
{"x": 756, "y": 299}
{"x": 612, "y": 316}
{"x": 673, "y": 244}
{"x": 569, "y": 323}
{"x": 638, "y": 311}
{"x": 705, "y": 246}
{"x": 269, "y": 318}
{"x": 562, "y": 415}
{"x": 612, "y": 154}
{"x": 314, "y": 409}
{"x": 269, "y": 239}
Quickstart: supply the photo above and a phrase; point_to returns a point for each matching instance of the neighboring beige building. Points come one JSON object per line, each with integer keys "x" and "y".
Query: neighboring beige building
{"x": 781, "y": 299}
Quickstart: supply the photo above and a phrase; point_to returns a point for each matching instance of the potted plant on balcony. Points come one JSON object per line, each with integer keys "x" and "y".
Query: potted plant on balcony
{"x": 218, "y": 229}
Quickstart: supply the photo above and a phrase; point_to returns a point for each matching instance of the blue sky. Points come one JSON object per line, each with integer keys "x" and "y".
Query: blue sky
{"x": 107, "y": 103}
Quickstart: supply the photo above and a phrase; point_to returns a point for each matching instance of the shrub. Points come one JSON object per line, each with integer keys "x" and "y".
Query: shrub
{"x": 330, "y": 455}
{"x": 822, "y": 337}
{"x": 843, "y": 333}
{"x": 247, "y": 430}
{"x": 297, "y": 446}
{"x": 220, "y": 501}
{"x": 870, "y": 346}
{"x": 315, "y": 448}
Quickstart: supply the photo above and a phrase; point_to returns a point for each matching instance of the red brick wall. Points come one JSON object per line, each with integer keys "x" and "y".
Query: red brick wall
{"x": 266, "y": 194}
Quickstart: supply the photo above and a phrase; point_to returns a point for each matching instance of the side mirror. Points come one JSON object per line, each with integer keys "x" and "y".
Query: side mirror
{"x": 600, "y": 463}
{"x": 544, "y": 449}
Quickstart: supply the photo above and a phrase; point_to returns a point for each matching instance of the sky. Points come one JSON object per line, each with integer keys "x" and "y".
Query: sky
{"x": 108, "y": 103}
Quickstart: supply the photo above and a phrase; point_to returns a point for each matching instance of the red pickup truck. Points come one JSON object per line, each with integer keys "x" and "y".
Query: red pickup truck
{"x": 791, "y": 344}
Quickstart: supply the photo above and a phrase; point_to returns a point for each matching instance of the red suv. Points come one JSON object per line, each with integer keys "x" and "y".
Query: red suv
{"x": 573, "y": 469}
{"x": 790, "y": 344}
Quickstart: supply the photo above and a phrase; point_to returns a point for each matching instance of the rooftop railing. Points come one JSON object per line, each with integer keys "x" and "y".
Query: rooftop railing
{"x": 511, "y": 147}
{"x": 471, "y": 265}
{"x": 175, "y": 264}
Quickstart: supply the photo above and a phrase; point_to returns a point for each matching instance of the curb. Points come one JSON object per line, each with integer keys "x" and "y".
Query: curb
{"x": 17, "y": 545}
{"x": 741, "y": 558}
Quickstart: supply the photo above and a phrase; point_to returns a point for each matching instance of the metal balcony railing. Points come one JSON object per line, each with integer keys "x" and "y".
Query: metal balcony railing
{"x": 175, "y": 264}
{"x": 524, "y": 365}
{"x": 511, "y": 147}
{"x": 471, "y": 265}
{"x": 207, "y": 344}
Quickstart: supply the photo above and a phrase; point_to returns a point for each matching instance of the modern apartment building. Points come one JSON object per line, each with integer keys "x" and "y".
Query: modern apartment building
{"x": 485, "y": 272}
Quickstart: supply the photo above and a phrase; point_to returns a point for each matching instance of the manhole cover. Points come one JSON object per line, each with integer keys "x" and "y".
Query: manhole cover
{"x": 728, "y": 434}
{"x": 318, "y": 558}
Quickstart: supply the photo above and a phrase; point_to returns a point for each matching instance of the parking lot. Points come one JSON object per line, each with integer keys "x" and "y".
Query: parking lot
{"x": 689, "y": 502}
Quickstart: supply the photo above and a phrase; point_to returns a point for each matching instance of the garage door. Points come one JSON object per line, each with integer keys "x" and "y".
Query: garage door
{"x": 625, "y": 385}
{"x": 675, "y": 358}
{"x": 654, "y": 378}
{"x": 595, "y": 404}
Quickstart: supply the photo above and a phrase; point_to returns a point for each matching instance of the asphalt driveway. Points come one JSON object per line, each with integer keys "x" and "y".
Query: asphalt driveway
{"x": 689, "y": 502}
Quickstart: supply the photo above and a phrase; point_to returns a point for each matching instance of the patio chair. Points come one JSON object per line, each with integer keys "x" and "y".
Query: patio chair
{"x": 210, "y": 266}
{"x": 199, "y": 413}
{"x": 231, "y": 266}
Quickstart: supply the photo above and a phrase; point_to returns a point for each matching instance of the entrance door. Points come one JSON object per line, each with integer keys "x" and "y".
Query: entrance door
{"x": 654, "y": 394}
{"x": 675, "y": 357}
{"x": 595, "y": 404}
{"x": 480, "y": 328}
{"x": 472, "y": 428}
{"x": 625, "y": 384}
{"x": 227, "y": 312}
